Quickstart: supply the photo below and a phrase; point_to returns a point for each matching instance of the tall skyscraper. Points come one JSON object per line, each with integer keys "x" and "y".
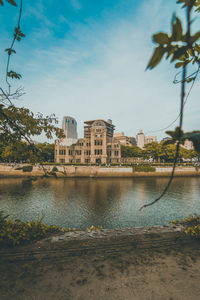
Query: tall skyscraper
{"x": 69, "y": 126}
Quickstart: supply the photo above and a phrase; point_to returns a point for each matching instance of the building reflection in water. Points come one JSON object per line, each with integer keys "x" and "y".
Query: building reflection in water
{"x": 110, "y": 202}
{"x": 93, "y": 199}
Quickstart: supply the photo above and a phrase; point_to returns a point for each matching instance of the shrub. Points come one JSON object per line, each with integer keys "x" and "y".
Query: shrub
{"x": 191, "y": 224}
{"x": 54, "y": 169}
{"x": 143, "y": 168}
{"x": 17, "y": 232}
{"x": 27, "y": 168}
{"x": 2, "y": 218}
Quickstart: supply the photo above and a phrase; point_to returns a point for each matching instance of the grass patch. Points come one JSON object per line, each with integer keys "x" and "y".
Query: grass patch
{"x": 143, "y": 168}
{"x": 17, "y": 232}
{"x": 27, "y": 168}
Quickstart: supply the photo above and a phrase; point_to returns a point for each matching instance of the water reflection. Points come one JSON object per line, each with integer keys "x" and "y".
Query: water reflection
{"x": 109, "y": 202}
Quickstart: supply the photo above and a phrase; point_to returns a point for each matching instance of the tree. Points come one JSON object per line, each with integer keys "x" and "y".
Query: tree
{"x": 153, "y": 150}
{"x": 17, "y": 152}
{"x": 131, "y": 151}
{"x": 47, "y": 152}
{"x": 19, "y": 123}
{"x": 193, "y": 136}
{"x": 20, "y": 151}
{"x": 183, "y": 50}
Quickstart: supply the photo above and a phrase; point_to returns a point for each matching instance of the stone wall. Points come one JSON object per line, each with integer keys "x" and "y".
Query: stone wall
{"x": 97, "y": 171}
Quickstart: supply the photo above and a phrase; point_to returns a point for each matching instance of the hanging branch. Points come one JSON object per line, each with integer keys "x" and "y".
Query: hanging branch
{"x": 10, "y": 73}
{"x": 16, "y": 36}
{"x": 178, "y": 52}
{"x": 177, "y": 145}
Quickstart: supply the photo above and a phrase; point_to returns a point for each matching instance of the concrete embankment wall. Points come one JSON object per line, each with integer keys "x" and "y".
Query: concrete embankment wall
{"x": 78, "y": 243}
{"x": 98, "y": 171}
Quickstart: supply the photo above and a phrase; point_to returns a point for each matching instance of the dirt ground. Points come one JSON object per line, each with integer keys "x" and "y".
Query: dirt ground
{"x": 170, "y": 273}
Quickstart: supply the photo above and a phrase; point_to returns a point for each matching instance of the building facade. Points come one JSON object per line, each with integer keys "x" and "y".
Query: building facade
{"x": 69, "y": 126}
{"x": 124, "y": 140}
{"x": 188, "y": 145}
{"x": 97, "y": 147}
{"x": 142, "y": 140}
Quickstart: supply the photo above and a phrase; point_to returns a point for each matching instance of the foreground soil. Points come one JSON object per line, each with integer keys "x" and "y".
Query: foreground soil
{"x": 169, "y": 272}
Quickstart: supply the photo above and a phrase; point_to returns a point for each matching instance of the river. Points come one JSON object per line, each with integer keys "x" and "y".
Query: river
{"x": 110, "y": 202}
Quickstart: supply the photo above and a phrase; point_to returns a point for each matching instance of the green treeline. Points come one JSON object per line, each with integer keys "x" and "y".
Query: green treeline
{"x": 19, "y": 151}
{"x": 158, "y": 152}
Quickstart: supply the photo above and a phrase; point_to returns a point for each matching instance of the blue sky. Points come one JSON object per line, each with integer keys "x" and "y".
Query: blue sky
{"x": 87, "y": 59}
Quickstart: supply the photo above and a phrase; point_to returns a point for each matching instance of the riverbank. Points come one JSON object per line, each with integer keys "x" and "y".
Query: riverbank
{"x": 96, "y": 172}
{"x": 135, "y": 263}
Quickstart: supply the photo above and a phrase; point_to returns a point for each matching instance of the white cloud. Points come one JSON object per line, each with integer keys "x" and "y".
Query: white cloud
{"x": 76, "y": 4}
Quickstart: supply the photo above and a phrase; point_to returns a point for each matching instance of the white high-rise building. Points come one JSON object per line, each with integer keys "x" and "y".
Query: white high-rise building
{"x": 69, "y": 126}
{"x": 141, "y": 139}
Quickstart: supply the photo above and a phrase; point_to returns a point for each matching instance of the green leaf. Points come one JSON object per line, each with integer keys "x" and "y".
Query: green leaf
{"x": 156, "y": 57}
{"x": 12, "y": 2}
{"x": 178, "y": 53}
{"x": 195, "y": 37}
{"x": 182, "y": 58}
{"x": 177, "y": 30}
{"x": 170, "y": 50}
{"x": 197, "y": 4}
{"x": 186, "y": 3}
{"x": 161, "y": 38}
{"x": 10, "y": 51}
{"x": 13, "y": 74}
{"x": 190, "y": 79}
{"x": 197, "y": 48}
{"x": 179, "y": 64}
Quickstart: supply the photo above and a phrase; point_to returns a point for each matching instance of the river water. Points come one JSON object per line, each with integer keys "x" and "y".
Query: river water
{"x": 110, "y": 202}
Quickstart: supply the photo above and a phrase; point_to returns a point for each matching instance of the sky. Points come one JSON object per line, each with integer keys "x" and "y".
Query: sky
{"x": 87, "y": 59}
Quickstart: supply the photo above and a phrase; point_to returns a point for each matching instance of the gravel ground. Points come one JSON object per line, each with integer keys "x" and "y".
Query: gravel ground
{"x": 170, "y": 271}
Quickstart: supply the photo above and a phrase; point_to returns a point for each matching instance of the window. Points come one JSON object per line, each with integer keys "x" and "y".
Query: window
{"x": 116, "y": 153}
{"x": 87, "y": 152}
{"x": 62, "y": 161}
{"x": 87, "y": 160}
{"x": 98, "y": 142}
{"x": 77, "y": 152}
{"x": 72, "y": 121}
{"x": 98, "y": 151}
{"x": 98, "y": 123}
{"x": 78, "y": 161}
{"x": 70, "y": 152}
{"x": 62, "y": 152}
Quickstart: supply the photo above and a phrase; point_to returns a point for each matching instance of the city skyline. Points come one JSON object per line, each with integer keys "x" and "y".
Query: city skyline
{"x": 71, "y": 134}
